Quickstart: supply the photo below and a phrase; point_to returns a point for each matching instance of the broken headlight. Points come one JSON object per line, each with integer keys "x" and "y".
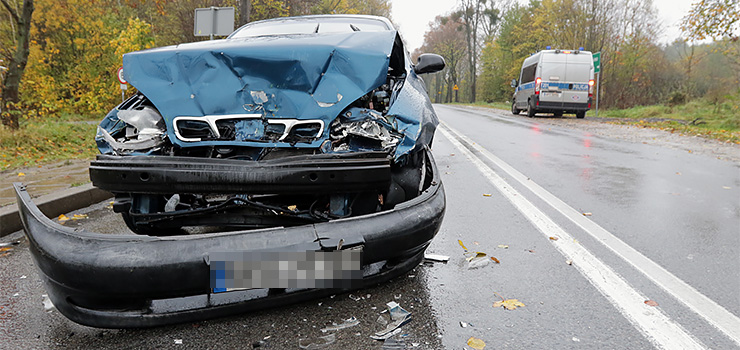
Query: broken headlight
{"x": 363, "y": 129}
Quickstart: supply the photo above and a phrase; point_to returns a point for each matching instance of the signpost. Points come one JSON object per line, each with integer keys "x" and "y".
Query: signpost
{"x": 214, "y": 21}
{"x": 123, "y": 82}
{"x": 597, "y": 70}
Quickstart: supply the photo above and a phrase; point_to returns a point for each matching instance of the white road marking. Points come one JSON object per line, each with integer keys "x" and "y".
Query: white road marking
{"x": 655, "y": 325}
{"x": 719, "y": 317}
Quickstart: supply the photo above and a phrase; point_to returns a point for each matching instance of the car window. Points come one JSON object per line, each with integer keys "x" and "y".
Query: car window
{"x": 312, "y": 25}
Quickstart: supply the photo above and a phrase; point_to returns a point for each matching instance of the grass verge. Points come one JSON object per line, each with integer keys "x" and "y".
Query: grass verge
{"x": 44, "y": 141}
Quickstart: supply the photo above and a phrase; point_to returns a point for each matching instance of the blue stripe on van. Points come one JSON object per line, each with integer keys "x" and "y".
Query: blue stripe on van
{"x": 564, "y": 86}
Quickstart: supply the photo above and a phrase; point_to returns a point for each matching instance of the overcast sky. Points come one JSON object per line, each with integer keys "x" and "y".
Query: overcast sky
{"x": 413, "y": 17}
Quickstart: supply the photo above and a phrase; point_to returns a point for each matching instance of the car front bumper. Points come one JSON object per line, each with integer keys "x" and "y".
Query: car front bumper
{"x": 126, "y": 281}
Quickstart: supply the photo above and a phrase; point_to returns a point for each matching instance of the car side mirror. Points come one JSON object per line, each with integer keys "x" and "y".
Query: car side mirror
{"x": 429, "y": 63}
{"x": 513, "y": 83}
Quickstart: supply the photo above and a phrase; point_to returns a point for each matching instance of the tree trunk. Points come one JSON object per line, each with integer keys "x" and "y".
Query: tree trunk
{"x": 10, "y": 98}
{"x": 245, "y": 11}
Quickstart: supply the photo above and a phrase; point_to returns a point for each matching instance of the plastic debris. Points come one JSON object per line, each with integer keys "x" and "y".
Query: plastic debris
{"x": 382, "y": 320}
{"x": 399, "y": 317}
{"x": 178, "y": 341}
{"x": 477, "y": 344}
{"x": 48, "y": 305}
{"x": 350, "y": 322}
{"x": 503, "y": 246}
{"x": 9, "y": 244}
{"x": 355, "y": 298}
{"x": 317, "y": 343}
{"x": 24, "y": 277}
{"x": 477, "y": 260}
{"x": 576, "y": 339}
{"x": 436, "y": 257}
{"x": 463, "y": 324}
{"x": 651, "y": 303}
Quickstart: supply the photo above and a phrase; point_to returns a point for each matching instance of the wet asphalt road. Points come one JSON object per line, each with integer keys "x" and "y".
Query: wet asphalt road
{"x": 679, "y": 210}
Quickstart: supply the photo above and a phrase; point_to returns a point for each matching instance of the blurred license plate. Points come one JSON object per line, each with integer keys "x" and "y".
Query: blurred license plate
{"x": 231, "y": 271}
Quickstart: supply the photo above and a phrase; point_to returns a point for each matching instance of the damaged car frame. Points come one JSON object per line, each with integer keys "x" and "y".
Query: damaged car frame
{"x": 288, "y": 161}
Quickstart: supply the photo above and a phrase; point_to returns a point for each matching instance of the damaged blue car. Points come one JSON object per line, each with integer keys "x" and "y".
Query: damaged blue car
{"x": 291, "y": 136}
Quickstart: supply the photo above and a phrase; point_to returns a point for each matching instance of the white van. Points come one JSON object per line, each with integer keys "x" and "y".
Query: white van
{"x": 555, "y": 81}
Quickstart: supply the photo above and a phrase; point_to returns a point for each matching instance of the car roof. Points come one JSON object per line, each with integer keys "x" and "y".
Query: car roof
{"x": 317, "y": 19}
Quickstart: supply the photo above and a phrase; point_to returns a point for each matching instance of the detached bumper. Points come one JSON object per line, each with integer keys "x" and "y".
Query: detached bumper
{"x": 124, "y": 281}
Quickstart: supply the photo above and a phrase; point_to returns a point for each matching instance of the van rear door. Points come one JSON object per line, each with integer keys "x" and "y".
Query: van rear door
{"x": 577, "y": 74}
{"x": 553, "y": 73}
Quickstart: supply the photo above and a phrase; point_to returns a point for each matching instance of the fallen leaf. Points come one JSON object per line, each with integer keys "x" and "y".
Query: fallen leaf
{"x": 487, "y": 195}
{"x": 531, "y": 250}
{"x": 587, "y": 214}
{"x": 5, "y": 249}
{"x": 495, "y": 260}
{"x": 452, "y": 154}
{"x": 295, "y": 207}
{"x": 508, "y": 304}
{"x": 476, "y": 243}
{"x": 462, "y": 245}
{"x": 477, "y": 255}
{"x": 21, "y": 174}
{"x": 503, "y": 246}
{"x": 651, "y": 303}
{"x": 62, "y": 218}
{"x": 553, "y": 238}
{"x": 79, "y": 216}
{"x": 477, "y": 344}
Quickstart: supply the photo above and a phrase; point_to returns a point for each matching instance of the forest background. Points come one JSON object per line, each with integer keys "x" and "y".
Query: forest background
{"x": 75, "y": 46}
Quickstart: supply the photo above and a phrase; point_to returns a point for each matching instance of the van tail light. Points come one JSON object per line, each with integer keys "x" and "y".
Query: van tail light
{"x": 590, "y": 88}
{"x": 537, "y": 83}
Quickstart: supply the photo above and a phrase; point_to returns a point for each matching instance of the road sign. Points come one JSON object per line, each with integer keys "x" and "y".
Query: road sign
{"x": 597, "y": 62}
{"x": 455, "y": 87}
{"x": 214, "y": 21}
{"x": 119, "y": 73}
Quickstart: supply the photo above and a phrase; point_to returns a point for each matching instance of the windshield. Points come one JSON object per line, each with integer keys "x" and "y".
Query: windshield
{"x": 310, "y": 25}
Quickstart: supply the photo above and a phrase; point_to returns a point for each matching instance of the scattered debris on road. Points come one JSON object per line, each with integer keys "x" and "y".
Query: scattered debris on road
{"x": 508, "y": 304}
{"x": 317, "y": 343}
{"x": 350, "y": 322}
{"x": 399, "y": 316}
{"x": 436, "y": 258}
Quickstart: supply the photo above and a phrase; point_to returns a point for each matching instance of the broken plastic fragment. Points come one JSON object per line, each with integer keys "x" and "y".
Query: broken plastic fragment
{"x": 317, "y": 343}
{"x": 8, "y": 244}
{"x": 48, "y": 305}
{"x": 350, "y": 322}
{"x": 399, "y": 317}
{"x": 476, "y": 260}
{"x": 172, "y": 203}
{"x": 651, "y": 303}
{"x": 436, "y": 257}
{"x": 475, "y": 343}
{"x": 463, "y": 324}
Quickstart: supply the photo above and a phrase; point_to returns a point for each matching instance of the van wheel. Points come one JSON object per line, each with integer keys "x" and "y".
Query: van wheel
{"x": 530, "y": 110}
{"x": 514, "y": 110}
{"x": 581, "y": 114}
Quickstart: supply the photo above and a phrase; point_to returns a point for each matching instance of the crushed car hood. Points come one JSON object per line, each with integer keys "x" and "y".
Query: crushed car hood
{"x": 296, "y": 76}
